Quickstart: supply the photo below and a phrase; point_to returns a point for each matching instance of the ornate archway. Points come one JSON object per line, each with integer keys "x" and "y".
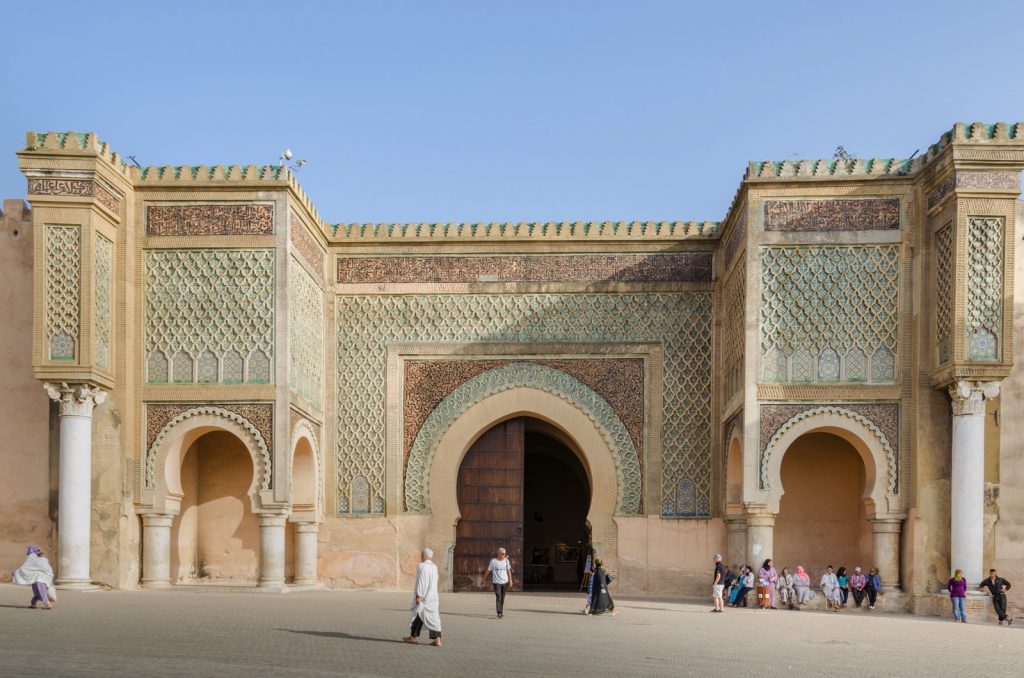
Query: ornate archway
{"x": 567, "y": 390}
{"x": 875, "y": 450}
{"x": 162, "y": 477}
{"x": 466, "y": 423}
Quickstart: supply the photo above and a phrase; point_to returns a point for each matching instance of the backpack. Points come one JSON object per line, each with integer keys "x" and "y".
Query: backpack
{"x": 728, "y": 578}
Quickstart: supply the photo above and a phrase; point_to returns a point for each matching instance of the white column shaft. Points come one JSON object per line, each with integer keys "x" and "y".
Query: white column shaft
{"x": 272, "y": 550}
{"x": 305, "y": 553}
{"x": 886, "y": 538}
{"x": 74, "y": 516}
{"x": 156, "y": 550}
{"x": 968, "y": 501}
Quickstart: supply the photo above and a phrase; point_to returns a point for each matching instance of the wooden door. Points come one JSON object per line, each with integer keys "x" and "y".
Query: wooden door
{"x": 490, "y": 493}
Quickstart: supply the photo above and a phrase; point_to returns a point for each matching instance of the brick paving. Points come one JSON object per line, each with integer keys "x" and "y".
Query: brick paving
{"x": 356, "y": 633}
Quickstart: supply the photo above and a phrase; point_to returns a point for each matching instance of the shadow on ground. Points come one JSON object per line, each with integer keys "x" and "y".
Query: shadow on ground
{"x": 342, "y": 635}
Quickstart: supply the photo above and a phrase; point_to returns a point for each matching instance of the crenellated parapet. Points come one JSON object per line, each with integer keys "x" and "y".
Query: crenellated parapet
{"x": 965, "y": 137}
{"x": 579, "y": 230}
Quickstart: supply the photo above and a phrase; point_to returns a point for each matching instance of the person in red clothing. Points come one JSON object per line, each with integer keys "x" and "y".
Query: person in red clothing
{"x": 957, "y": 588}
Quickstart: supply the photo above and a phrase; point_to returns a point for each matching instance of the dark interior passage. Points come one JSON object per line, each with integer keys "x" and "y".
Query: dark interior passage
{"x": 556, "y": 499}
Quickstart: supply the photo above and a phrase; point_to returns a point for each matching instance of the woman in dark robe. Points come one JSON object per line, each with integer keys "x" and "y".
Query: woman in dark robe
{"x": 601, "y": 601}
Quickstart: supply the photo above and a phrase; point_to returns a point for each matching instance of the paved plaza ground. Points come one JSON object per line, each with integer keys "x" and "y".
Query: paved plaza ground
{"x": 356, "y": 633}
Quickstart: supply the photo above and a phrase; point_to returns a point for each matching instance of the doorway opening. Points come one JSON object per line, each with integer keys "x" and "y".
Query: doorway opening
{"x": 822, "y": 517}
{"x": 521, "y": 486}
{"x": 215, "y": 537}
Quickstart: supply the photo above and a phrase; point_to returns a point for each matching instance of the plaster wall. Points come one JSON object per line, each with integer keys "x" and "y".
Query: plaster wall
{"x": 216, "y": 536}
{"x": 25, "y": 430}
{"x": 1009, "y": 527}
{"x": 373, "y": 553}
{"x": 659, "y": 557}
{"x": 821, "y": 518}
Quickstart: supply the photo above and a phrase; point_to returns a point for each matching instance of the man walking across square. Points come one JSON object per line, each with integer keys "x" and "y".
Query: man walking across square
{"x": 998, "y": 587}
{"x": 500, "y": 569}
{"x": 425, "y": 602}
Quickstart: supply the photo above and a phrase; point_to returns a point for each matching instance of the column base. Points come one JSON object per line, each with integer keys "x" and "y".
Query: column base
{"x": 75, "y": 585}
{"x": 156, "y": 584}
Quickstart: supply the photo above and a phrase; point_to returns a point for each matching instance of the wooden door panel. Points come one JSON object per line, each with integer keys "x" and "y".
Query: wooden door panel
{"x": 490, "y": 494}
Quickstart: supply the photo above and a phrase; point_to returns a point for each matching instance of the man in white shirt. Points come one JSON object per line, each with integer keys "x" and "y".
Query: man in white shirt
{"x": 500, "y": 570}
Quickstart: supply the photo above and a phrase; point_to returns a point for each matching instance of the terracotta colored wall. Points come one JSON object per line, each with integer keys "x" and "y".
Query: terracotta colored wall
{"x": 185, "y": 529}
{"x": 1009, "y": 527}
{"x": 216, "y": 535}
{"x": 821, "y": 518}
{"x": 25, "y": 428}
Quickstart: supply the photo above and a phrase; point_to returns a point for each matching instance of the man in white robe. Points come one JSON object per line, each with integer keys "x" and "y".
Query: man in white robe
{"x": 830, "y": 587}
{"x": 426, "y": 608}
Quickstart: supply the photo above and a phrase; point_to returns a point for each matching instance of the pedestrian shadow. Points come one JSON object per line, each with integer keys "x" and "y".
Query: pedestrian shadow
{"x": 342, "y": 635}
{"x": 20, "y": 607}
{"x": 575, "y": 614}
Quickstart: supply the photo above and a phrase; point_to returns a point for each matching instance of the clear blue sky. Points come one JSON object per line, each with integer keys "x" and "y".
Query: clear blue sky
{"x": 516, "y": 111}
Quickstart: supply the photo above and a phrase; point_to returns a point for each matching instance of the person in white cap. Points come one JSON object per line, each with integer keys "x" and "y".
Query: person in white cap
{"x": 718, "y": 585}
{"x": 500, "y": 569}
{"x": 426, "y": 605}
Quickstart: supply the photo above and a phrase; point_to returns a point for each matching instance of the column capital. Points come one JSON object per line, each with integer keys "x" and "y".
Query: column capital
{"x": 273, "y": 519}
{"x": 886, "y": 523}
{"x": 759, "y": 515}
{"x": 969, "y": 396}
{"x": 157, "y": 519}
{"x": 76, "y": 400}
{"x": 307, "y": 526}
{"x": 735, "y": 523}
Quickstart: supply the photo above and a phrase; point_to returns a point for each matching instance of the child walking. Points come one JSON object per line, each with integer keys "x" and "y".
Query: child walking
{"x": 37, "y": 573}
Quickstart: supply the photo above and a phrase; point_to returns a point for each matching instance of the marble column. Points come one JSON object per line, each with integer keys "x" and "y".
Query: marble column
{"x": 74, "y": 500}
{"x": 736, "y": 540}
{"x": 305, "y": 553}
{"x": 272, "y": 549}
{"x": 760, "y": 534}
{"x": 885, "y": 533}
{"x": 156, "y": 550}
{"x": 967, "y": 540}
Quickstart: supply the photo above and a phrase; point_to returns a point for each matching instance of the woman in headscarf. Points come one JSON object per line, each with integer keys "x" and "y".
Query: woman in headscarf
{"x": 957, "y": 587}
{"x": 37, "y": 573}
{"x": 802, "y": 584}
{"x": 600, "y": 600}
{"x": 767, "y": 578}
{"x": 787, "y": 589}
{"x": 737, "y": 586}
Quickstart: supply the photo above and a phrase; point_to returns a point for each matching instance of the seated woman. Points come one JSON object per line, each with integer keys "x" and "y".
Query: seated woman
{"x": 737, "y": 586}
{"x": 802, "y": 584}
{"x": 746, "y": 586}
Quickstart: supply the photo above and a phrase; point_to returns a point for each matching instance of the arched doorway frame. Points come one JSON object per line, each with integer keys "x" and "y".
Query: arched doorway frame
{"x": 303, "y": 430}
{"x": 880, "y": 464}
{"x": 162, "y": 492}
{"x": 163, "y": 468}
{"x": 523, "y": 401}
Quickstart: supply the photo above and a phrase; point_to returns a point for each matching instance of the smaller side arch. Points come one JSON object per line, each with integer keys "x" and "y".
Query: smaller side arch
{"x": 303, "y": 430}
{"x": 162, "y": 476}
{"x": 871, "y": 444}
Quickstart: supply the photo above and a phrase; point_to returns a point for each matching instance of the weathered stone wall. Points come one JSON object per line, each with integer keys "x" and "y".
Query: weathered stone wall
{"x": 1009, "y": 528}
{"x": 25, "y": 427}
